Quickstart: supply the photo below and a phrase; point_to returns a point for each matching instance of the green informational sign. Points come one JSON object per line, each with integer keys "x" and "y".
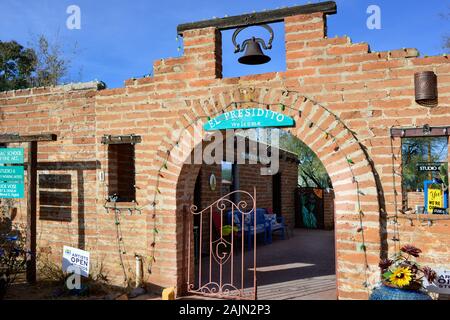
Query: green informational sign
{"x": 11, "y": 190}
{"x": 9, "y": 174}
{"x": 11, "y": 177}
{"x": 248, "y": 118}
{"x": 11, "y": 155}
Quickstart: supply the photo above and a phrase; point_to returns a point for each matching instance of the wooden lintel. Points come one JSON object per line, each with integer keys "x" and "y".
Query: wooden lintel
{"x": 420, "y": 132}
{"x": 121, "y": 205}
{"x": 121, "y": 139}
{"x": 271, "y": 16}
{"x": 16, "y": 138}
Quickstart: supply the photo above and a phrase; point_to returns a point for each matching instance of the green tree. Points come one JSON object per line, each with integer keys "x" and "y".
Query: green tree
{"x": 42, "y": 64}
{"x": 17, "y": 66}
{"x": 51, "y": 67}
{"x": 446, "y": 16}
{"x": 311, "y": 171}
{"x": 423, "y": 150}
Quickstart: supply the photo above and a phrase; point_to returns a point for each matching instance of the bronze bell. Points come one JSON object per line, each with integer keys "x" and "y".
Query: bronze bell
{"x": 253, "y": 53}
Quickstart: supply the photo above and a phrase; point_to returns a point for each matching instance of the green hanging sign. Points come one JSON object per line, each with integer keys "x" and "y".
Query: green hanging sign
{"x": 248, "y": 118}
{"x": 11, "y": 173}
{"x": 11, "y": 190}
{"x": 11, "y": 155}
{"x": 11, "y": 177}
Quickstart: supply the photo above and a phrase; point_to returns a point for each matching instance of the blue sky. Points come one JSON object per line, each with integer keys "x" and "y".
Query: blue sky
{"x": 119, "y": 40}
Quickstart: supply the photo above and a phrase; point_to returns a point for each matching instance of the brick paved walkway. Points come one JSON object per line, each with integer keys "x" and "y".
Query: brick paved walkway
{"x": 299, "y": 268}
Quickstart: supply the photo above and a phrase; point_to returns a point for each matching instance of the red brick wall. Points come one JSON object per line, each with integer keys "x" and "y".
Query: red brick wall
{"x": 415, "y": 199}
{"x": 250, "y": 176}
{"x": 67, "y": 213}
{"x": 328, "y": 209}
{"x": 338, "y": 85}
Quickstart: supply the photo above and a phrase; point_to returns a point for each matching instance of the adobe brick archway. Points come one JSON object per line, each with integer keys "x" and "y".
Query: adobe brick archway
{"x": 358, "y": 196}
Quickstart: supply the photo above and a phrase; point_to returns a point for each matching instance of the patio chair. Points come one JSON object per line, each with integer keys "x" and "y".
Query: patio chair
{"x": 262, "y": 225}
{"x": 277, "y": 224}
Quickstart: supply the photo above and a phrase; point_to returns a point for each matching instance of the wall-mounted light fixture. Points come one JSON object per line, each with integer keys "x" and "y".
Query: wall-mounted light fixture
{"x": 426, "y": 130}
{"x": 425, "y": 83}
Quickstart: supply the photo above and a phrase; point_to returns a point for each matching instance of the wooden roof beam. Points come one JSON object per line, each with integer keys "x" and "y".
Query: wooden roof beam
{"x": 420, "y": 132}
{"x": 16, "y": 138}
{"x": 271, "y": 16}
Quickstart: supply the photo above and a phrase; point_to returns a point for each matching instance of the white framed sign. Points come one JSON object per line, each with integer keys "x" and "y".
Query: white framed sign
{"x": 441, "y": 284}
{"x": 76, "y": 258}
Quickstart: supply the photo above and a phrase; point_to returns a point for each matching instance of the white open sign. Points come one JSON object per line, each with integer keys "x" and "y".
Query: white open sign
{"x": 77, "y": 258}
{"x": 441, "y": 284}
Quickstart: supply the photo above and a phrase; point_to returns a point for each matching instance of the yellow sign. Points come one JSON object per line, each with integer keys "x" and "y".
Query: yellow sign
{"x": 168, "y": 294}
{"x": 435, "y": 199}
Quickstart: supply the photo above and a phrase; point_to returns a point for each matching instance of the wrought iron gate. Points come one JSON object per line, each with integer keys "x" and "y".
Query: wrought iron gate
{"x": 220, "y": 271}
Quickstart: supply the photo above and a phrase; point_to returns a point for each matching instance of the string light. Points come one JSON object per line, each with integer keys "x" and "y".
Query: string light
{"x": 396, "y": 236}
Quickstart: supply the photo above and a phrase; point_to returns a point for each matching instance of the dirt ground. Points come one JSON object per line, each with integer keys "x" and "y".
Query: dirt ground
{"x": 45, "y": 290}
{"x": 54, "y": 290}
{"x": 300, "y": 267}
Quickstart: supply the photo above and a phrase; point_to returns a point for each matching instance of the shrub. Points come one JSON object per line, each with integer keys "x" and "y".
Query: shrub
{"x": 13, "y": 256}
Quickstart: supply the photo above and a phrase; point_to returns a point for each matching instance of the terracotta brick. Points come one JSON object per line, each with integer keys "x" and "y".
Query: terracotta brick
{"x": 354, "y": 48}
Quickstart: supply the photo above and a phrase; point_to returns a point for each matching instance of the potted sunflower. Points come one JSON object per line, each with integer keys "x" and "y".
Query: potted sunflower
{"x": 402, "y": 277}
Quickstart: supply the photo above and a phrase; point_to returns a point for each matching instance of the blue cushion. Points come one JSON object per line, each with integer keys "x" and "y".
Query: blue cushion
{"x": 259, "y": 228}
{"x": 237, "y": 215}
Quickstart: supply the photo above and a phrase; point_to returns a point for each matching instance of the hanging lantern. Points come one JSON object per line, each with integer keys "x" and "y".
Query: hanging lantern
{"x": 253, "y": 53}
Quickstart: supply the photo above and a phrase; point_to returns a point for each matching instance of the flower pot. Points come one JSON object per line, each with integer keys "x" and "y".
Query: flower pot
{"x": 384, "y": 292}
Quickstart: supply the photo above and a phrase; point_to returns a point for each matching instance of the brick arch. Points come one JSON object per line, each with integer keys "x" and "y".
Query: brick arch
{"x": 343, "y": 156}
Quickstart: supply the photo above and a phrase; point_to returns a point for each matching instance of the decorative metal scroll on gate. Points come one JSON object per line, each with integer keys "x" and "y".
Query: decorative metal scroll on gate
{"x": 225, "y": 258}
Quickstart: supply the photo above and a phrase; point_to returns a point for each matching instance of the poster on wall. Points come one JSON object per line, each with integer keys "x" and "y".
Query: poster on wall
{"x": 435, "y": 199}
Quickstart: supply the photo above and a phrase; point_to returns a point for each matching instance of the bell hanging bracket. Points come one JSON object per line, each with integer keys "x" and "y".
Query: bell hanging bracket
{"x": 253, "y": 53}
